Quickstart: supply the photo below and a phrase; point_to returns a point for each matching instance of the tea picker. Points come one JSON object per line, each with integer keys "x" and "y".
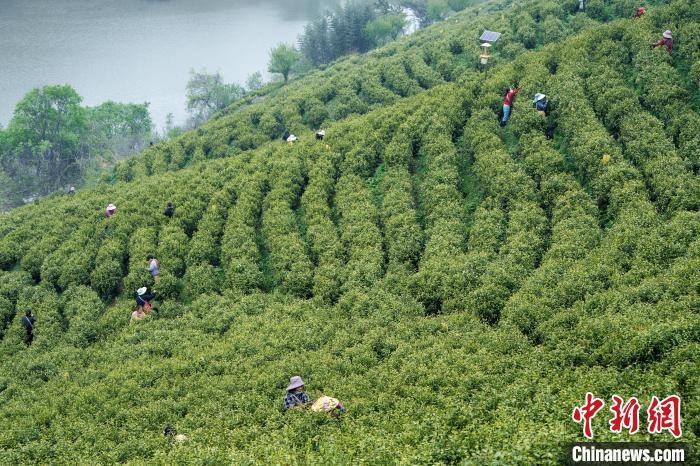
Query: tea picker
{"x": 508, "y": 97}
{"x": 666, "y": 41}
{"x": 28, "y": 322}
{"x": 144, "y": 298}
{"x": 541, "y": 104}
{"x": 169, "y": 210}
{"x": 171, "y": 433}
{"x": 296, "y": 394}
{"x": 153, "y": 267}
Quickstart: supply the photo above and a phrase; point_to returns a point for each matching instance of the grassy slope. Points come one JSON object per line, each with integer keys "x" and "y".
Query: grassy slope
{"x": 458, "y": 286}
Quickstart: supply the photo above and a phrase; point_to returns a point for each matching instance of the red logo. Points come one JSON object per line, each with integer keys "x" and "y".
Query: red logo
{"x": 662, "y": 415}
{"x": 626, "y": 415}
{"x": 665, "y": 415}
{"x": 587, "y": 412}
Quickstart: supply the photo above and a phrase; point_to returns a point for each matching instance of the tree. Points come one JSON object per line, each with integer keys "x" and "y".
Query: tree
{"x": 207, "y": 94}
{"x": 52, "y": 141}
{"x": 283, "y": 59}
{"x": 119, "y": 128}
{"x": 438, "y": 9}
{"x": 44, "y": 144}
{"x": 254, "y": 81}
{"x": 171, "y": 130}
{"x": 315, "y": 42}
{"x": 7, "y": 192}
{"x": 385, "y": 29}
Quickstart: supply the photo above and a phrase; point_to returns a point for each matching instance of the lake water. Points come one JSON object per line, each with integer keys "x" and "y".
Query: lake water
{"x": 139, "y": 50}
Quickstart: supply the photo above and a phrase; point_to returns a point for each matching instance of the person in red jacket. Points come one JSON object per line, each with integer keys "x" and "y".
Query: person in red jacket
{"x": 641, "y": 11}
{"x": 666, "y": 40}
{"x": 508, "y": 103}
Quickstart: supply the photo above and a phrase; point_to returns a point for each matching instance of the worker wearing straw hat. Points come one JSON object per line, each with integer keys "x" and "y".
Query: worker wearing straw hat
{"x": 111, "y": 209}
{"x": 666, "y": 41}
{"x": 541, "y": 104}
{"x": 143, "y": 299}
{"x": 296, "y": 394}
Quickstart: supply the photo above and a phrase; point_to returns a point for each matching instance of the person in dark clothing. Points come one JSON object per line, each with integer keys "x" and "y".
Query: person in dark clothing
{"x": 320, "y": 135}
{"x": 28, "y": 322}
{"x": 171, "y": 433}
{"x": 541, "y": 104}
{"x": 144, "y": 298}
{"x": 169, "y": 210}
{"x": 286, "y": 135}
{"x": 296, "y": 394}
{"x": 666, "y": 41}
{"x": 71, "y": 191}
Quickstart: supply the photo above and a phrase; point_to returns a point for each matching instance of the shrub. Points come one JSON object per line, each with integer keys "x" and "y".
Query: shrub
{"x": 203, "y": 279}
{"x": 82, "y": 309}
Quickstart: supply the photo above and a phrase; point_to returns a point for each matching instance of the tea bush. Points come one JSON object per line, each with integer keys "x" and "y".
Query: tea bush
{"x": 458, "y": 285}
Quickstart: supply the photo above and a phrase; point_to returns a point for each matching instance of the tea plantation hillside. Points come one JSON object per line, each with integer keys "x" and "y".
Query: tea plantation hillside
{"x": 447, "y": 52}
{"x": 458, "y": 285}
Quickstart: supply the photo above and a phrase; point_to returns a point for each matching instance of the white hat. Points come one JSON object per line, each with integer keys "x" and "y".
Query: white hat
{"x": 321, "y": 132}
{"x": 291, "y": 138}
{"x": 667, "y": 34}
{"x": 539, "y": 96}
{"x": 295, "y": 382}
{"x": 111, "y": 207}
{"x": 141, "y": 291}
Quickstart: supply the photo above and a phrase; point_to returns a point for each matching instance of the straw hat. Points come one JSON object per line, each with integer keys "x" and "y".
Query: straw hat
{"x": 539, "y": 96}
{"x": 321, "y": 132}
{"x": 141, "y": 291}
{"x": 292, "y": 138}
{"x": 295, "y": 382}
{"x": 667, "y": 34}
{"x": 111, "y": 207}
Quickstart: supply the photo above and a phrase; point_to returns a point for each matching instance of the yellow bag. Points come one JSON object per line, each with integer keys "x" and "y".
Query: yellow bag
{"x": 325, "y": 404}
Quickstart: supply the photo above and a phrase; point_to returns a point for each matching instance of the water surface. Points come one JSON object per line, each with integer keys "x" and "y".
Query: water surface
{"x": 139, "y": 50}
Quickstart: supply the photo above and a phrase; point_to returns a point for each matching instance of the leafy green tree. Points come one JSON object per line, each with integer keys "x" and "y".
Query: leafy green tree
{"x": 254, "y": 81}
{"x": 385, "y": 28}
{"x": 52, "y": 141}
{"x": 459, "y": 5}
{"x": 44, "y": 144}
{"x": 119, "y": 128}
{"x": 171, "y": 130}
{"x": 207, "y": 94}
{"x": 283, "y": 59}
{"x": 438, "y": 9}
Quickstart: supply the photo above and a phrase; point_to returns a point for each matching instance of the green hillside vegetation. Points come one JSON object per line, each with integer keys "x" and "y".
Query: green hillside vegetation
{"x": 459, "y": 286}
{"x": 446, "y": 52}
